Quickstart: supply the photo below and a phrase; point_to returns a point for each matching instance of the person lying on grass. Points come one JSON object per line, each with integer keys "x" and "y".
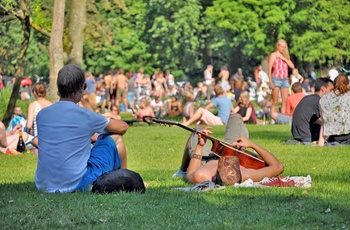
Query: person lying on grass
{"x": 227, "y": 170}
{"x": 9, "y": 139}
{"x": 66, "y": 161}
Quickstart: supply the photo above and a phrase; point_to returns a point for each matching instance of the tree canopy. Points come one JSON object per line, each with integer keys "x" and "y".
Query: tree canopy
{"x": 183, "y": 36}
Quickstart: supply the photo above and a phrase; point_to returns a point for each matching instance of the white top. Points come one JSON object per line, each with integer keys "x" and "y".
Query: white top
{"x": 36, "y": 111}
{"x": 208, "y": 77}
{"x": 333, "y": 73}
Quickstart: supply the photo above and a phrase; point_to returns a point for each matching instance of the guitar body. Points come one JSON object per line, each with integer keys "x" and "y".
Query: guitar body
{"x": 246, "y": 159}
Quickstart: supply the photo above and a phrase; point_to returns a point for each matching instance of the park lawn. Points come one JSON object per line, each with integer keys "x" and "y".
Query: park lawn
{"x": 155, "y": 152}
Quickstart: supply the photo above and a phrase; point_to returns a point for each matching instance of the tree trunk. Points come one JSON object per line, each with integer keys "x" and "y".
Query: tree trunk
{"x": 56, "y": 45}
{"x": 25, "y": 22}
{"x": 77, "y": 23}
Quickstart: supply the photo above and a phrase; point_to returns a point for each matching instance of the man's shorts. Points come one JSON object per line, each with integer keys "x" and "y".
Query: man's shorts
{"x": 104, "y": 157}
{"x": 131, "y": 96}
{"x": 120, "y": 93}
{"x": 280, "y": 82}
{"x": 283, "y": 119}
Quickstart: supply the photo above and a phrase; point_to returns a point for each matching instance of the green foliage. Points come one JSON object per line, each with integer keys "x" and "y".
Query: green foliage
{"x": 184, "y": 36}
{"x": 321, "y": 31}
{"x": 173, "y": 32}
{"x": 118, "y": 39}
{"x": 37, "y": 56}
{"x": 5, "y": 94}
{"x": 161, "y": 207}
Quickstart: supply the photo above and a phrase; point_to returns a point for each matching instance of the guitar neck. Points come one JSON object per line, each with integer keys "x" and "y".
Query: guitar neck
{"x": 213, "y": 139}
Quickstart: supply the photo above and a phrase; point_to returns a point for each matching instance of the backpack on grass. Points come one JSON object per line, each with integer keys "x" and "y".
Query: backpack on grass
{"x": 119, "y": 180}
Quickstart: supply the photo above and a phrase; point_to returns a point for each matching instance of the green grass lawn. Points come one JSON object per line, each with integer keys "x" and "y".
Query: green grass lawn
{"x": 155, "y": 152}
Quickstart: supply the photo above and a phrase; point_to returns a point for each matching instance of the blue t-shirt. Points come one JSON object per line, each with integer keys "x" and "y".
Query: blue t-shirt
{"x": 65, "y": 131}
{"x": 91, "y": 86}
{"x": 223, "y": 104}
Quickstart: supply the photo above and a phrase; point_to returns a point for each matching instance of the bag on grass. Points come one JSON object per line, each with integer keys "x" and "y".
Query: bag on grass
{"x": 119, "y": 180}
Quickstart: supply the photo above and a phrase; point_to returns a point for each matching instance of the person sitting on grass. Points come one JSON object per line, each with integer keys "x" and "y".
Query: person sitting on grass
{"x": 66, "y": 161}
{"x": 145, "y": 109}
{"x": 174, "y": 107}
{"x": 223, "y": 105}
{"x": 199, "y": 164}
{"x": 115, "y": 114}
{"x": 9, "y": 139}
{"x": 245, "y": 108}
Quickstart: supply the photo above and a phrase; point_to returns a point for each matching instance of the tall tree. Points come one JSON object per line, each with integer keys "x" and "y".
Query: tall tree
{"x": 56, "y": 45}
{"x": 77, "y": 22}
{"x": 23, "y": 16}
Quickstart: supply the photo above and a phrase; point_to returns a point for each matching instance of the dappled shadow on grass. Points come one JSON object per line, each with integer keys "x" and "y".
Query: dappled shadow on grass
{"x": 161, "y": 207}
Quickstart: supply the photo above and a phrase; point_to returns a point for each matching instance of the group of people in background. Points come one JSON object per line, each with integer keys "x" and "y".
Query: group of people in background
{"x": 65, "y": 131}
{"x": 214, "y": 98}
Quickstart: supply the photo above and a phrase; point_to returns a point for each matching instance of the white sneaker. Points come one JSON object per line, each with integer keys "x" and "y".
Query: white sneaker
{"x": 179, "y": 173}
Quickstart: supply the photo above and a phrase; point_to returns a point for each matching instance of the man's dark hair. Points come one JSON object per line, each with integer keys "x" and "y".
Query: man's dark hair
{"x": 297, "y": 87}
{"x": 322, "y": 82}
{"x": 70, "y": 80}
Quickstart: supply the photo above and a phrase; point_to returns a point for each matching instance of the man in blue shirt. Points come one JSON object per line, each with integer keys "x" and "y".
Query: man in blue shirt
{"x": 223, "y": 105}
{"x": 66, "y": 161}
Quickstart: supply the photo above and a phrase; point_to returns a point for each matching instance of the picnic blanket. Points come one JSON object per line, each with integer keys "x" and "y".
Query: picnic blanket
{"x": 286, "y": 181}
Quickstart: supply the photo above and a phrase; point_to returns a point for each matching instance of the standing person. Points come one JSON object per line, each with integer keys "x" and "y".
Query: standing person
{"x": 333, "y": 73}
{"x": 39, "y": 92}
{"x": 296, "y": 77}
{"x": 292, "y": 102}
{"x": 131, "y": 90}
{"x": 208, "y": 79}
{"x": 170, "y": 81}
{"x": 224, "y": 75}
{"x": 262, "y": 75}
{"x": 335, "y": 108}
{"x": 160, "y": 85}
{"x": 138, "y": 82}
{"x": 66, "y": 161}
{"x": 306, "y": 123}
{"x": 91, "y": 88}
{"x": 108, "y": 82}
{"x": 113, "y": 90}
{"x": 122, "y": 84}
{"x": 278, "y": 73}
{"x": 221, "y": 102}
{"x": 237, "y": 81}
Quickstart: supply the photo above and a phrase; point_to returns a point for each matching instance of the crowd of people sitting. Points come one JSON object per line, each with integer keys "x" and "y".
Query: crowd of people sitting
{"x": 210, "y": 101}
{"x": 319, "y": 117}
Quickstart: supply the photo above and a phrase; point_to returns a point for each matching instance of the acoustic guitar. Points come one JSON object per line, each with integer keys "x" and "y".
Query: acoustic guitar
{"x": 221, "y": 148}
